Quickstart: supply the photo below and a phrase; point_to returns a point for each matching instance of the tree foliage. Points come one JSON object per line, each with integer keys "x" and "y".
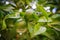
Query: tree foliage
{"x": 29, "y": 20}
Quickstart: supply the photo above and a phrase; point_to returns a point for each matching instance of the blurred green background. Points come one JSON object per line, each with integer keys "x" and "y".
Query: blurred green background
{"x": 29, "y": 19}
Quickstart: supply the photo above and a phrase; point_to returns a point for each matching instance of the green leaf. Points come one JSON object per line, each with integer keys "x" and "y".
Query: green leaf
{"x": 55, "y": 25}
{"x": 35, "y": 17}
{"x": 13, "y": 15}
{"x": 48, "y": 35}
{"x": 43, "y": 19}
{"x": 28, "y": 1}
{"x": 56, "y": 16}
{"x": 1, "y": 14}
{"x": 6, "y": 7}
{"x": 30, "y": 28}
{"x": 39, "y": 30}
{"x": 3, "y": 25}
{"x": 57, "y": 28}
{"x": 36, "y": 30}
{"x": 36, "y": 27}
{"x": 41, "y": 9}
{"x": 22, "y": 14}
{"x": 41, "y": 2}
